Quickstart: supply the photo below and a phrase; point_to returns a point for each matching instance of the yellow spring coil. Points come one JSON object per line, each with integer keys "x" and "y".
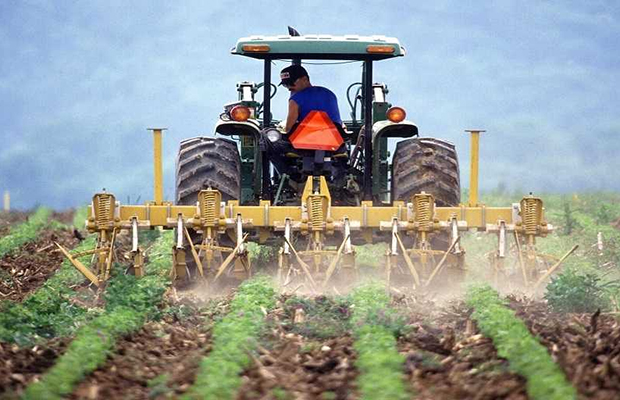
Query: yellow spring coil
{"x": 207, "y": 210}
{"x": 104, "y": 209}
{"x": 423, "y": 211}
{"x": 316, "y": 211}
{"x": 532, "y": 215}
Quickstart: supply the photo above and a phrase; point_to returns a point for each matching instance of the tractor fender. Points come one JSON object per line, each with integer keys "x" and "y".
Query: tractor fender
{"x": 237, "y": 128}
{"x": 403, "y": 129}
{"x": 383, "y": 130}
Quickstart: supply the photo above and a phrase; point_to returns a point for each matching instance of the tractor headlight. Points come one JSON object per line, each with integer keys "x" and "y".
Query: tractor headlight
{"x": 273, "y": 135}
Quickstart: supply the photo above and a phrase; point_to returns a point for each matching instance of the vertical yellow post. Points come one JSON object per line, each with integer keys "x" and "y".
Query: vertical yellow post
{"x": 158, "y": 185}
{"x": 473, "y": 166}
{"x": 7, "y": 201}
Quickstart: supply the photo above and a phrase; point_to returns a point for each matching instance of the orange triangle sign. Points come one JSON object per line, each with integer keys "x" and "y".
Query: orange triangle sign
{"x": 316, "y": 132}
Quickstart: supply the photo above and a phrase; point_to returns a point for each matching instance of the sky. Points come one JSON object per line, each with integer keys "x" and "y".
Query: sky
{"x": 81, "y": 81}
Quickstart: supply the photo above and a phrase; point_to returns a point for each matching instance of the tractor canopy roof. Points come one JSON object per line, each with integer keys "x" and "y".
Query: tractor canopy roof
{"x": 323, "y": 47}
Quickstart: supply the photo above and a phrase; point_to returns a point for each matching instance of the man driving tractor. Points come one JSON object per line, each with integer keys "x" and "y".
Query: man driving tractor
{"x": 305, "y": 97}
{"x": 305, "y": 104}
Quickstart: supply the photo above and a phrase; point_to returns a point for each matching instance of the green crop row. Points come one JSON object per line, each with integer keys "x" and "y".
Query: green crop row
{"x": 234, "y": 337}
{"x": 513, "y": 341}
{"x": 49, "y": 311}
{"x": 374, "y": 326}
{"x": 129, "y": 303}
{"x": 24, "y": 232}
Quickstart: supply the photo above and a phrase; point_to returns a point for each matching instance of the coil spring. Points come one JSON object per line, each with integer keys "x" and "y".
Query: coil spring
{"x": 207, "y": 208}
{"x": 531, "y": 215}
{"x": 423, "y": 211}
{"x": 316, "y": 211}
{"x": 104, "y": 209}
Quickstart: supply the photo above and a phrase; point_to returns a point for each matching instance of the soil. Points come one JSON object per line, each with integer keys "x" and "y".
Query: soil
{"x": 21, "y": 366}
{"x": 27, "y": 269}
{"x": 446, "y": 357}
{"x": 303, "y": 367}
{"x": 310, "y": 356}
{"x": 584, "y": 345}
{"x": 160, "y": 361}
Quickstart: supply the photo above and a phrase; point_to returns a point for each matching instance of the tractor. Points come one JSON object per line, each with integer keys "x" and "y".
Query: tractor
{"x": 334, "y": 187}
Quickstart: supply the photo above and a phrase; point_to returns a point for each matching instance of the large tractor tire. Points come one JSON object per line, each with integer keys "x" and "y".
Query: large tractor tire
{"x": 429, "y": 165}
{"x": 205, "y": 162}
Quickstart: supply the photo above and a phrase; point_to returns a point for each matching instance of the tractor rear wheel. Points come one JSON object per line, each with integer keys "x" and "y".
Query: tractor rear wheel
{"x": 429, "y": 165}
{"x": 205, "y": 162}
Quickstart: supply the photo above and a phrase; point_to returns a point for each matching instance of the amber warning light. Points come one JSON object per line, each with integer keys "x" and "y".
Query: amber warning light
{"x": 380, "y": 49}
{"x": 256, "y": 48}
{"x": 396, "y": 114}
{"x": 240, "y": 113}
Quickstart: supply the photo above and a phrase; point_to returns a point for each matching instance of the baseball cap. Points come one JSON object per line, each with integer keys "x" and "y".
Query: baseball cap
{"x": 291, "y": 73}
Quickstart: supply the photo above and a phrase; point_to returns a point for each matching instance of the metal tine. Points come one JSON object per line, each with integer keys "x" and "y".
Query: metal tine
{"x": 332, "y": 265}
{"x": 442, "y": 261}
{"x": 134, "y": 235}
{"x": 303, "y": 264}
{"x": 553, "y": 268}
{"x": 194, "y": 253}
{"x": 410, "y": 264}
{"x": 230, "y": 257}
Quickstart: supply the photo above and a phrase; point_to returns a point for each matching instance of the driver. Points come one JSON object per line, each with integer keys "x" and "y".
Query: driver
{"x": 305, "y": 97}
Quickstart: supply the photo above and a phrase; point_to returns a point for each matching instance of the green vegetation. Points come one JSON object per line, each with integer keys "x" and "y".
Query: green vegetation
{"x": 129, "y": 303}
{"x": 79, "y": 217}
{"x": 325, "y": 317}
{"x": 234, "y": 337}
{"x": 573, "y": 291}
{"x": 379, "y": 363}
{"x": 49, "y": 311}
{"x": 513, "y": 341}
{"x": 577, "y": 219}
{"x": 24, "y": 232}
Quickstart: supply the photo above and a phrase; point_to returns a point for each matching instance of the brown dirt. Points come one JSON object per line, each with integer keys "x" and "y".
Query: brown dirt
{"x": 27, "y": 269}
{"x": 305, "y": 368}
{"x": 446, "y": 358}
{"x": 7, "y": 219}
{"x": 21, "y": 366}
{"x": 586, "y": 346}
{"x": 172, "y": 347}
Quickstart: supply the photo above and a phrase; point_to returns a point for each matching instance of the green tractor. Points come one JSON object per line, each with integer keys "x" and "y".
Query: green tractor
{"x": 335, "y": 187}
{"x": 241, "y": 169}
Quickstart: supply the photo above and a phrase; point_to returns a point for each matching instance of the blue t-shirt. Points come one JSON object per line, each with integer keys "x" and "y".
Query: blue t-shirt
{"x": 317, "y": 98}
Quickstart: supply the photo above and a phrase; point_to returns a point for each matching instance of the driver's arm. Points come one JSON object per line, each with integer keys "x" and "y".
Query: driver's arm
{"x": 293, "y": 114}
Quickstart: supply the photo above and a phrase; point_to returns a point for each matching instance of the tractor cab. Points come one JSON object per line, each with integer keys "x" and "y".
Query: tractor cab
{"x": 354, "y": 157}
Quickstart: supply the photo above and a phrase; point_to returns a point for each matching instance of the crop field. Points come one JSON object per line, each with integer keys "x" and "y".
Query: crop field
{"x": 147, "y": 339}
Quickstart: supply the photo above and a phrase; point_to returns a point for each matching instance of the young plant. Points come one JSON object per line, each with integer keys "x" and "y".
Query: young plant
{"x": 379, "y": 363}
{"x": 513, "y": 341}
{"x": 234, "y": 337}
{"x": 572, "y": 291}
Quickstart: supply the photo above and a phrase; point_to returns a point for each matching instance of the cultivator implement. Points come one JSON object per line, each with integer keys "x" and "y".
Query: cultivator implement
{"x": 316, "y": 237}
{"x": 318, "y": 224}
